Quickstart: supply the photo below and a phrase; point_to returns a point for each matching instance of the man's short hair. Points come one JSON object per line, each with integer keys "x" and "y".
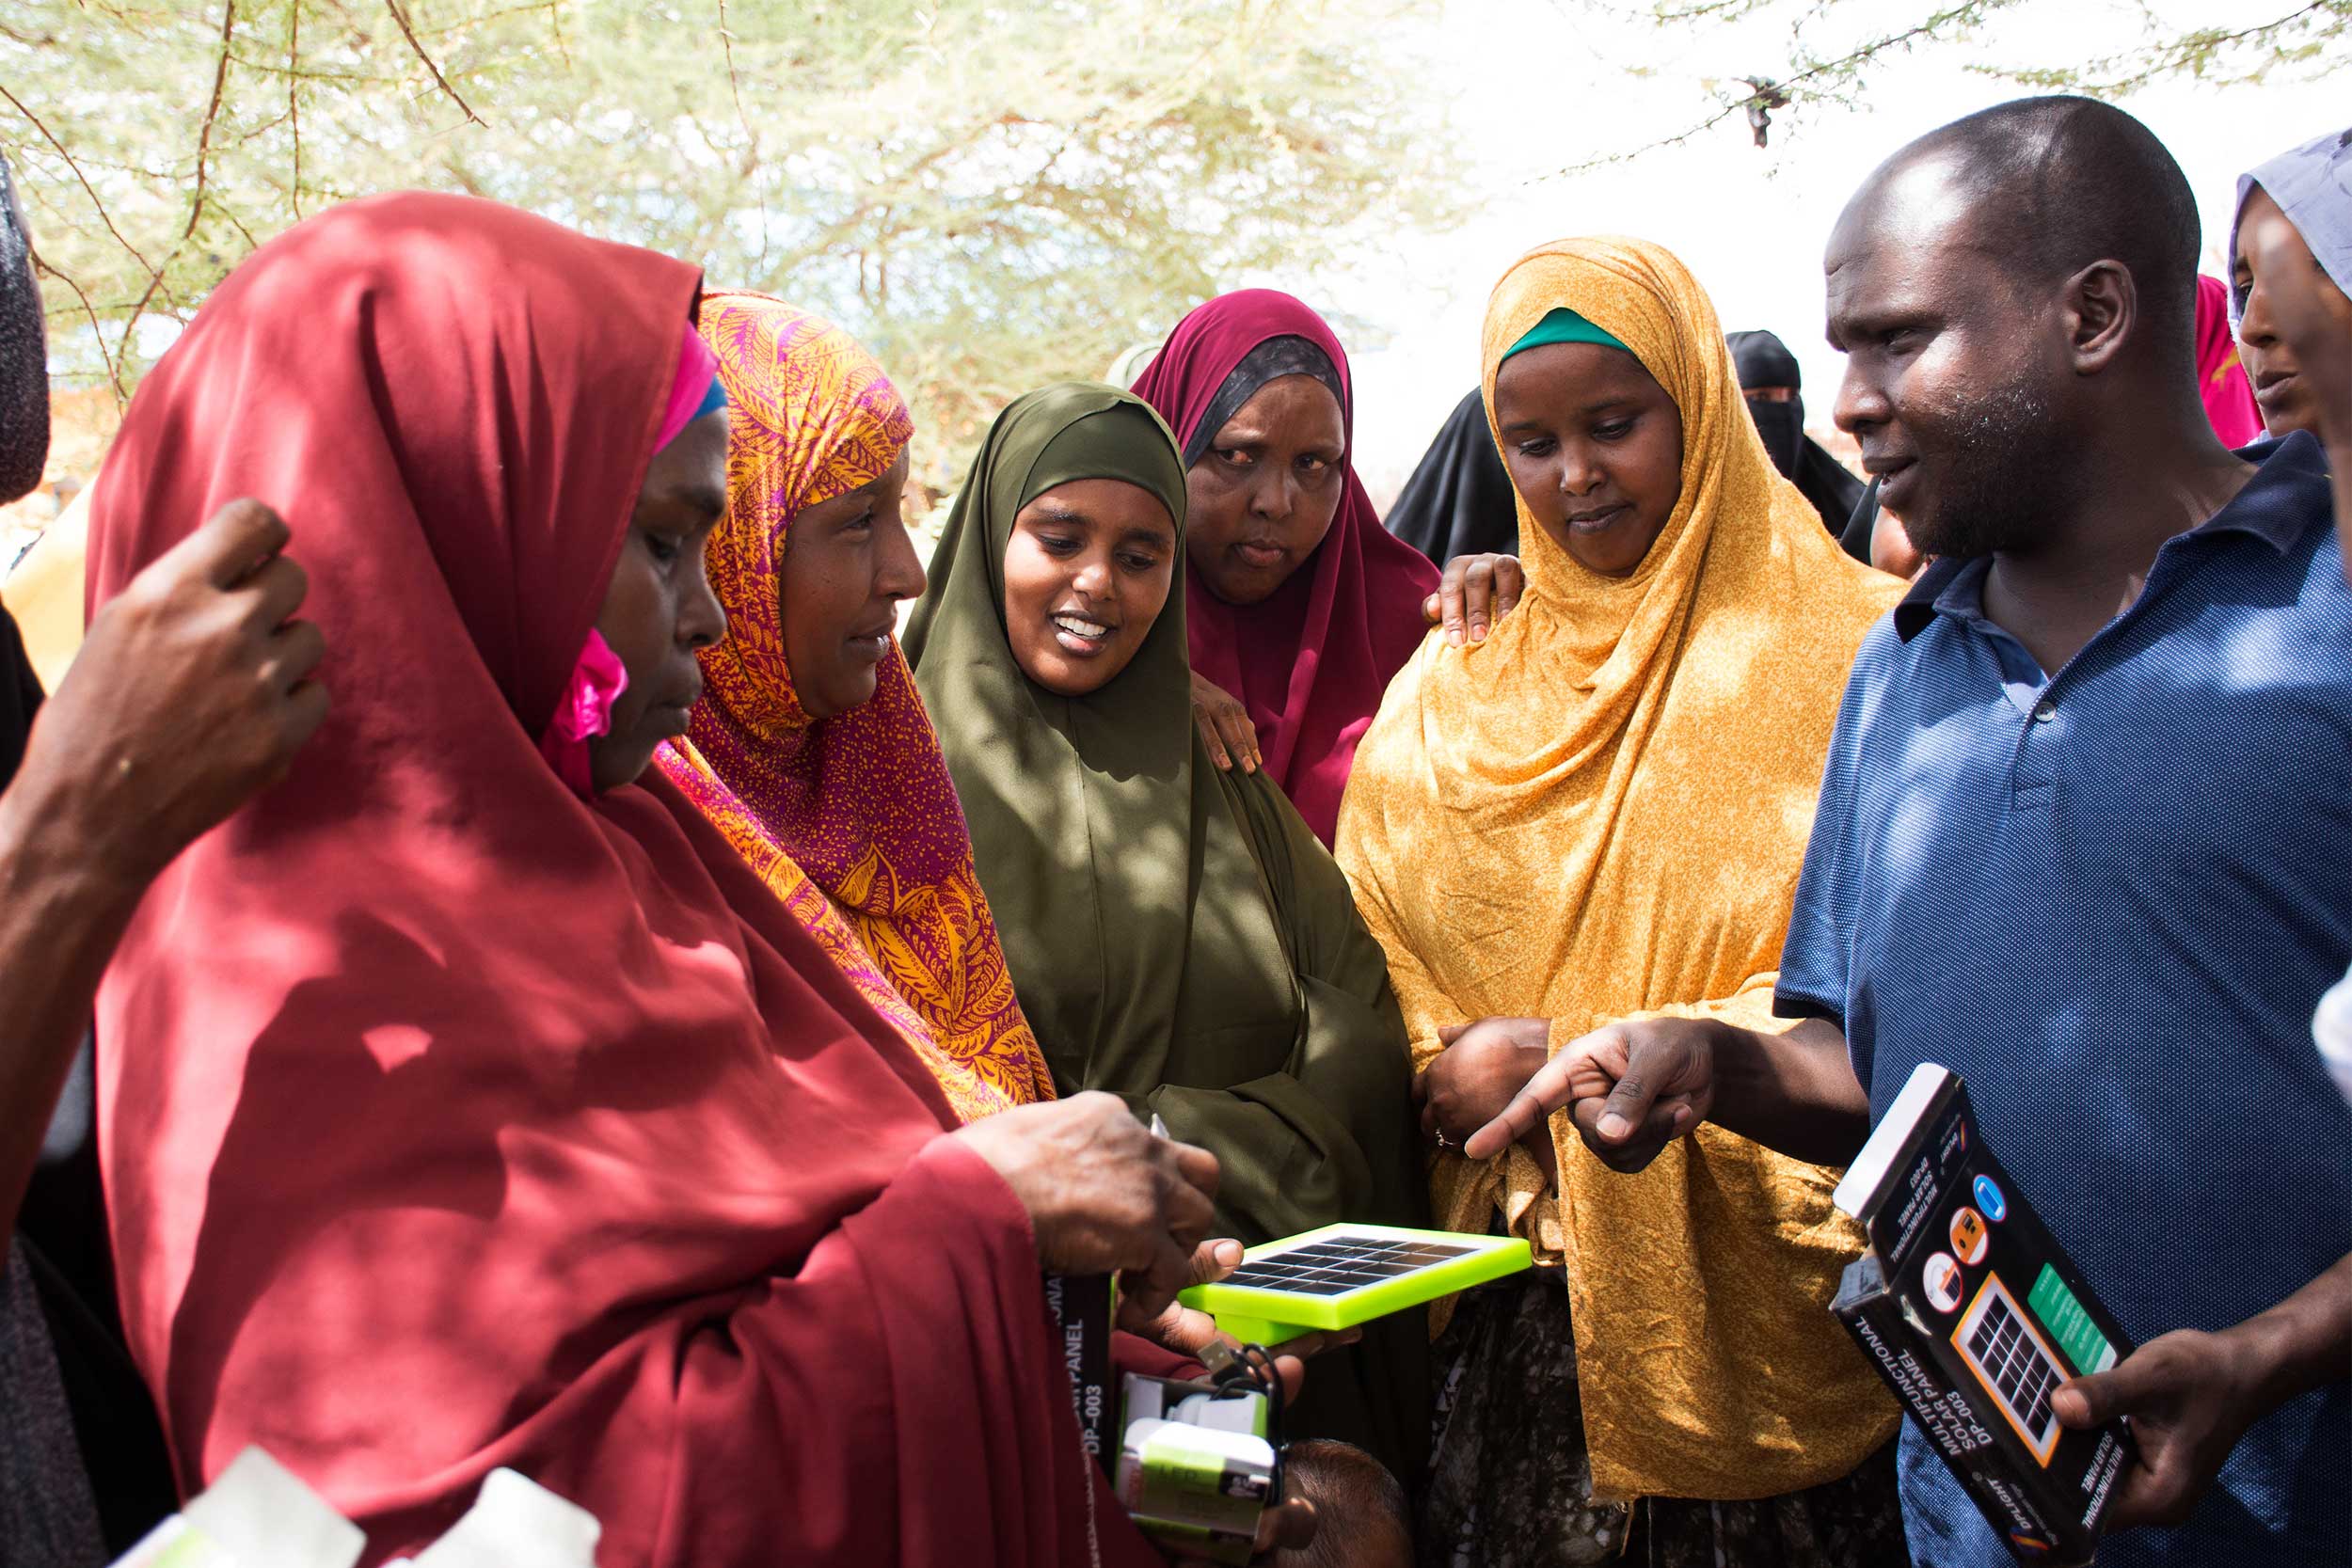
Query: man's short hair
{"x": 1359, "y": 1506}
{"x": 2059, "y": 183}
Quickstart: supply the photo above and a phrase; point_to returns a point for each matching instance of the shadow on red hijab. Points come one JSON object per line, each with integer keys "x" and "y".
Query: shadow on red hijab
{"x": 1312, "y": 661}
{"x": 452, "y": 1121}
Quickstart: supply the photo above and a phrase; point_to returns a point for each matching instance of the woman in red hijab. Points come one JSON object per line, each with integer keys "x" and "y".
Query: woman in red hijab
{"x": 465, "y": 1104}
{"x": 1300, "y": 605}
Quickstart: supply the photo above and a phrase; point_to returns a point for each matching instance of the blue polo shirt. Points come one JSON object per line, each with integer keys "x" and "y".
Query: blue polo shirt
{"x": 2109, "y": 898}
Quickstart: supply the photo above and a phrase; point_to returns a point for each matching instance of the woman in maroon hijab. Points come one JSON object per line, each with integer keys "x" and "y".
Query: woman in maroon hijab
{"x": 1299, "y": 605}
{"x": 465, "y": 1107}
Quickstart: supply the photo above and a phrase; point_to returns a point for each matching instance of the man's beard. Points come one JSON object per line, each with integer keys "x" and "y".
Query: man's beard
{"x": 2005, "y": 469}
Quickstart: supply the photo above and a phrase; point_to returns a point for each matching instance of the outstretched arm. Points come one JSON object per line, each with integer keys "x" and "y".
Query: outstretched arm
{"x": 1633, "y": 1088}
{"x": 190, "y": 696}
{"x": 1476, "y": 591}
{"x": 2191, "y": 1396}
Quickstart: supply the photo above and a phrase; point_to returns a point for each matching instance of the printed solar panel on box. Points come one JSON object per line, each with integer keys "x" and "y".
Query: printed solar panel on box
{"x": 1344, "y": 1275}
{"x": 1974, "y": 1315}
{"x": 2011, "y": 1361}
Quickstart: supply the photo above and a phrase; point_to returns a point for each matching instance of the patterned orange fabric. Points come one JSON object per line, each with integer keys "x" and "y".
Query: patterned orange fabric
{"x": 854, "y": 822}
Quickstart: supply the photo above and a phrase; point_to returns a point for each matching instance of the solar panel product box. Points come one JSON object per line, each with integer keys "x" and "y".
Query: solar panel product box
{"x": 1082, "y": 1306}
{"x": 1974, "y": 1315}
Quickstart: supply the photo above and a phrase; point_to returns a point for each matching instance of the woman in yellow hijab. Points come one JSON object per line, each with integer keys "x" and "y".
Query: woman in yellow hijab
{"x": 1601, "y": 811}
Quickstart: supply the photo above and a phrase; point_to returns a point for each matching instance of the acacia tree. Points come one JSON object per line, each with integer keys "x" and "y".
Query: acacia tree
{"x": 990, "y": 193}
{"x": 1831, "y": 46}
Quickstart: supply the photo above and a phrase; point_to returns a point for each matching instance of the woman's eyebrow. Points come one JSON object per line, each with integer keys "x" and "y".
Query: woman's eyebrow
{"x": 1061, "y": 512}
{"x": 1157, "y": 537}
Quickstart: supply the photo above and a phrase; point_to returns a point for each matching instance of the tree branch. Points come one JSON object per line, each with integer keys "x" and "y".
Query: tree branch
{"x": 98, "y": 336}
{"x": 498, "y": 13}
{"x": 294, "y": 101}
{"x": 1967, "y": 13}
{"x": 751, "y": 137}
{"x": 212, "y": 117}
{"x": 225, "y": 211}
{"x": 50, "y": 138}
{"x": 340, "y": 78}
{"x": 203, "y": 156}
{"x": 2186, "y": 52}
{"x": 411, "y": 34}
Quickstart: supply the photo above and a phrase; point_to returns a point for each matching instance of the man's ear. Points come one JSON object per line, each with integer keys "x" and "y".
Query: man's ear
{"x": 2102, "y": 313}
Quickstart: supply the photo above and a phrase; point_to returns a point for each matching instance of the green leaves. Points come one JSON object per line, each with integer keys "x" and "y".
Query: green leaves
{"x": 991, "y": 195}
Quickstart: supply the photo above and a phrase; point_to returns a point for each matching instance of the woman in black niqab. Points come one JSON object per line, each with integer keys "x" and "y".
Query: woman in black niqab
{"x": 1770, "y": 379}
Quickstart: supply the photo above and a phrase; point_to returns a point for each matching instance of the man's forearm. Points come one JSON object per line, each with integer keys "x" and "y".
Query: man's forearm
{"x": 61, "y": 913}
{"x": 1794, "y": 1092}
{"x": 2305, "y": 1341}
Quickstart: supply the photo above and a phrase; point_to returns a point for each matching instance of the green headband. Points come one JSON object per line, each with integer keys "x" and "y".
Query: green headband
{"x": 1562, "y": 326}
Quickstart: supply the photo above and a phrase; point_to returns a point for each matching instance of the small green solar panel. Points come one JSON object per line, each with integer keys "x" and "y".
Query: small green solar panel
{"x": 1343, "y": 1275}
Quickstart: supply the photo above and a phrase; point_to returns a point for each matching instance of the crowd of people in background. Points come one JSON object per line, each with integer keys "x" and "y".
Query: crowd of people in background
{"x": 539, "y": 930}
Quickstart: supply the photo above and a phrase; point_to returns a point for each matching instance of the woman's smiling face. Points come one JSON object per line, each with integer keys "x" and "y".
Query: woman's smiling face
{"x": 1595, "y": 449}
{"x": 1087, "y": 573}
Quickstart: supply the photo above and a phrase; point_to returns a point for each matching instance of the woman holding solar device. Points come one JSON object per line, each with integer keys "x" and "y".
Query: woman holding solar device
{"x": 480, "y": 1105}
{"x": 1176, "y": 932}
{"x": 1601, "y": 811}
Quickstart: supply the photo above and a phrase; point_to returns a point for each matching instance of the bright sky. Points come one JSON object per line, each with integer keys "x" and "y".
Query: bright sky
{"x": 1535, "y": 87}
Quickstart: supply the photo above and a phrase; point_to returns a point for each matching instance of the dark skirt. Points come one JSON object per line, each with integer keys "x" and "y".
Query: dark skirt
{"x": 48, "y": 1518}
{"x": 1511, "y": 1483}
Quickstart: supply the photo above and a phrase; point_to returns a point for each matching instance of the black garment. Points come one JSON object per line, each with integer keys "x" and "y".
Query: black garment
{"x": 1764, "y": 361}
{"x": 123, "y": 1455}
{"x": 1511, "y": 1480}
{"x": 1270, "y": 360}
{"x": 24, "y": 355}
{"x": 20, "y": 697}
{"x": 64, "y": 1369}
{"x": 1460, "y": 501}
{"x": 1855, "y": 535}
{"x": 47, "y": 1516}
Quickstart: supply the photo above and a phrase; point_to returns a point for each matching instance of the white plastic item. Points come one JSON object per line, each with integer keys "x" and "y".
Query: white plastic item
{"x": 2332, "y": 1031}
{"x": 172, "y": 1545}
{"x": 256, "y": 1515}
{"x": 516, "y": 1522}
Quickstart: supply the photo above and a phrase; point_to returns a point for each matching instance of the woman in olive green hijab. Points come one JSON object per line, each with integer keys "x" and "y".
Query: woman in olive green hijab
{"x": 1177, "y": 935}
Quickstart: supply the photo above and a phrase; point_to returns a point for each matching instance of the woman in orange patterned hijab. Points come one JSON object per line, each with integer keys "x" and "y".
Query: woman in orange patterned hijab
{"x": 810, "y": 749}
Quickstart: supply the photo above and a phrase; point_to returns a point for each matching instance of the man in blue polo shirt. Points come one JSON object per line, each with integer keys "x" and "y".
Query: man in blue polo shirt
{"x": 2085, "y": 834}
